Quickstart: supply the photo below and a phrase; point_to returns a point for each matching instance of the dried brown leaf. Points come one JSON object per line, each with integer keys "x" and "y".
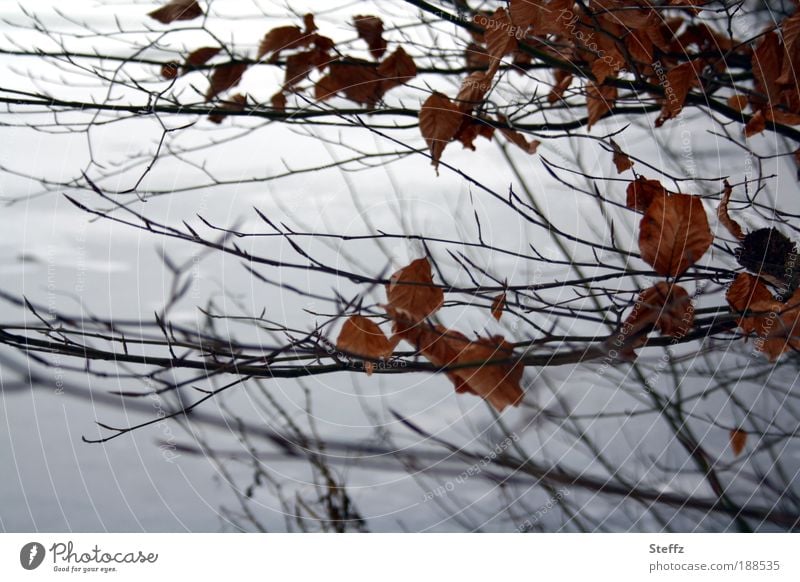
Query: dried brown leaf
{"x": 674, "y": 233}
{"x": 177, "y": 10}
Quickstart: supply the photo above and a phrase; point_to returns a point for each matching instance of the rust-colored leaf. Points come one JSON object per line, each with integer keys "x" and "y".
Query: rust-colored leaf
{"x": 766, "y": 62}
{"x": 439, "y": 345}
{"x": 397, "y": 69}
{"x": 298, "y": 67}
{"x": 563, "y": 80}
{"x": 476, "y": 57}
{"x": 473, "y": 91}
{"x": 498, "y": 306}
{"x": 664, "y": 307}
{"x": 472, "y": 128}
{"x": 356, "y": 78}
{"x": 599, "y": 101}
{"x": 370, "y": 29}
{"x": 603, "y": 69}
{"x": 674, "y": 233}
{"x": 310, "y": 25}
{"x": 224, "y": 77}
{"x": 782, "y": 117}
{"x": 177, "y": 10}
{"x": 412, "y": 293}
{"x": 724, "y": 218}
{"x": 282, "y": 38}
{"x": 170, "y": 70}
{"x": 678, "y": 82}
{"x": 621, "y": 160}
{"x": 519, "y": 140}
{"x": 790, "y": 32}
{"x": 235, "y": 103}
{"x": 497, "y": 382}
{"x": 278, "y": 101}
{"x": 748, "y": 293}
{"x": 500, "y": 38}
{"x": 775, "y": 324}
{"x": 671, "y": 306}
{"x": 439, "y": 122}
{"x": 737, "y": 102}
{"x": 362, "y": 337}
{"x": 738, "y": 440}
{"x": 524, "y": 13}
{"x": 480, "y": 367}
{"x": 641, "y": 193}
{"x": 199, "y": 57}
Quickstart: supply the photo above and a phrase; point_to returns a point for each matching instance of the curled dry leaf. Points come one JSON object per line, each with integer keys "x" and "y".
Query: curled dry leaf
{"x": 310, "y": 25}
{"x": 738, "y": 440}
{"x": 199, "y": 57}
{"x": 515, "y": 137}
{"x": 411, "y": 292}
{"x": 563, "y": 80}
{"x": 599, "y": 101}
{"x": 232, "y": 104}
{"x": 674, "y": 233}
{"x": 748, "y": 291}
{"x": 177, "y": 10}
{"x": 775, "y": 324}
{"x": 370, "y": 29}
{"x": 282, "y": 38}
{"x": 299, "y": 65}
{"x": 766, "y": 62}
{"x": 524, "y": 13}
{"x": 722, "y": 214}
{"x": 361, "y": 336}
{"x": 439, "y": 122}
{"x": 356, "y": 78}
{"x": 498, "y": 306}
{"x": 441, "y": 346}
{"x": 602, "y": 69}
{"x": 473, "y": 91}
{"x": 170, "y": 70}
{"x": 678, "y": 82}
{"x": 397, "y": 69}
{"x": 621, "y": 160}
{"x": 471, "y": 129}
{"x": 224, "y": 77}
{"x": 476, "y": 57}
{"x": 737, "y": 102}
{"x": 480, "y": 367}
{"x": 500, "y": 37}
{"x": 495, "y": 379}
{"x": 670, "y": 306}
{"x": 790, "y": 32}
{"x": 664, "y": 307}
{"x": 641, "y": 193}
{"x": 278, "y": 101}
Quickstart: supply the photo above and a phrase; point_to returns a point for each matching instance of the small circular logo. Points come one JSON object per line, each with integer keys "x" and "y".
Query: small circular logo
{"x": 31, "y": 555}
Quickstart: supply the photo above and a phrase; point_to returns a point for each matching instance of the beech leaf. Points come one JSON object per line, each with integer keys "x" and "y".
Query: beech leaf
{"x": 177, "y": 10}
{"x": 370, "y": 29}
{"x": 724, "y": 218}
{"x": 674, "y": 233}
{"x": 439, "y": 122}
{"x": 738, "y": 439}
{"x": 361, "y": 336}
{"x": 498, "y": 306}
{"x": 412, "y": 293}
